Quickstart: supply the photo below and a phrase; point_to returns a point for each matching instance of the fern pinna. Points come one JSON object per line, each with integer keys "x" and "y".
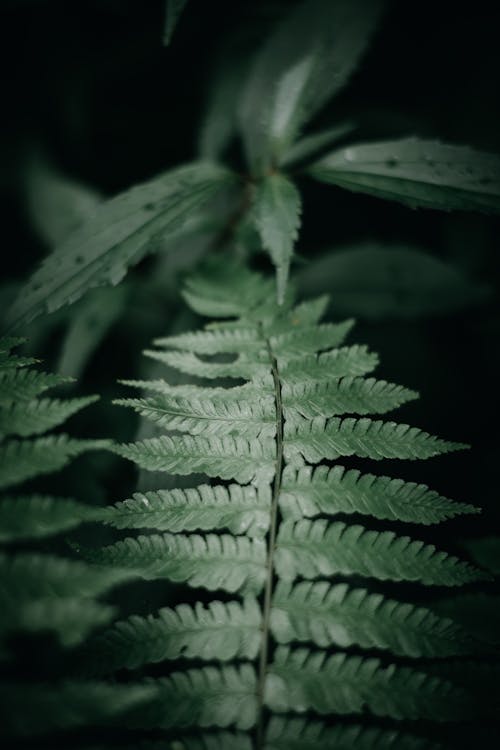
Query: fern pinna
{"x": 287, "y": 630}
{"x": 42, "y": 592}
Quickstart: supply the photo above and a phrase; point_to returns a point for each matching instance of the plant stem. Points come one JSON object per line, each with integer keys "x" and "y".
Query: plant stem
{"x": 264, "y": 650}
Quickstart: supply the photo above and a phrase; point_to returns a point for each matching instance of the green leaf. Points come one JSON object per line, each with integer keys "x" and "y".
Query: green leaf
{"x": 317, "y": 548}
{"x": 242, "y": 510}
{"x": 309, "y": 339}
{"x": 24, "y": 385}
{"x": 227, "y": 457}
{"x": 485, "y": 552}
{"x": 118, "y": 234}
{"x": 345, "y": 396}
{"x": 338, "y": 615}
{"x": 208, "y": 416}
{"x": 207, "y": 697}
{"x": 318, "y": 438}
{"x": 302, "y": 734}
{"x": 374, "y": 281}
{"x": 24, "y": 459}
{"x": 221, "y": 631}
{"x": 312, "y": 492}
{"x": 173, "y": 10}
{"x": 27, "y": 418}
{"x": 237, "y": 341}
{"x": 33, "y": 709}
{"x": 211, "y": 561}
{"x": 346, "y": 361}
{"x": 191, "y": 365}
{"x": 276, "y": 212}
{"x": 38, "y": 516}
{"x": 343, "y": 684}
{"x": 311, "y": 144}
{"x": 303, "y": 64}
{"x": 418, "y": 173}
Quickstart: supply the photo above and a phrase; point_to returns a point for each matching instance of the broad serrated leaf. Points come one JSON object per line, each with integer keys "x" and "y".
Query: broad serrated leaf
{"x": 316, "y": 548}
{"x": 208, "y": 416}
{"x": 303, "y": 734}
{"x": 419, "y": 173}
{"x": 210, "y": 561}
{"x": 342, "y": 684}
{"x": 221, "y": 631}
{"x": 206, "y": 697}
{"x": 318, "y": 438}
{"x": 25, "y": 418}
{"x": 71, "y": 618}
{"x": 344, "y": 396}
{"x": 276, "y": 212}
{"x": 338, "y": 615}
{"x": 24, "y": 385}
{"x": 117, "y": 234}
{"x": 311, "y": 144}
{"x": 346, "y": 361}
{"x": 377, "y": 281}
{"x": 306, "y": 61}
{"x": 24, "y": 459}
{"x": 242, "y": 510}
{"x": 227, "y": 458}
{"x": 312, "y": 492}
{"x": 38, "y": 516}
{"x": 33, "y": 709}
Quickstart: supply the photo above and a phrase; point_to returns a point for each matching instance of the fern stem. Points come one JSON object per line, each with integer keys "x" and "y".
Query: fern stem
{"x": 268, "y": 591}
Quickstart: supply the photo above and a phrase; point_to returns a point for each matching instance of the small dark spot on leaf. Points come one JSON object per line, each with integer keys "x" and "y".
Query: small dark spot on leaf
{"x": 150, "y": 206}
{"x": 391, "y": 162}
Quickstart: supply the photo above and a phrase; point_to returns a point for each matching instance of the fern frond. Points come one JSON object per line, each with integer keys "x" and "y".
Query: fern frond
{"x": 24, "y": 385}
{"x": 242, "y": 510}
{"x": 338, "y": 363}
{"x": 300, "y": 734}
{"x": 213, "y": 562}
{"x": 319, "y": 439}
{"x": 326, "y": 615}
{"x": 250, "y": 390}
{"x": 316, "y": 548}
{"x": 342, "y": 684}
{"x": 200, "y": 415}
{"x": 25, "y": 576}
{"x": 309, "y": 339}
{"x": 311, "y": 492}
{"x": 206, "y": 697}
{"x": 33, "y": 417}
{"x": 222, "y": 631}
{"x": 34, "y": 709}
{"x": 238, "y": 341}
{"x": 345, "y": 396}
{"x": 190, "y": 364}
{"x": 227, "y": 458}
{"x": 38, "y": 516}
{"x": 70, "y": 618}
{"x": 23, "y": 459}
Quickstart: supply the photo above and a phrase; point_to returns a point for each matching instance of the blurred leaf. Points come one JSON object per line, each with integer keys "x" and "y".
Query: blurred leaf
{"x": 485, "y": 552}
{"x": 418, "y": 173}
{"x": 373, "y": 281}
{"x": 173, "y": 10}
{"x": 117, "y": 235}
{"x": 277, "y": 208}
{"x": 310, "y": 144}
{"x": 56, "y": 204}
{"x": 304, "y": 63}
{"x": 94, "y": 316}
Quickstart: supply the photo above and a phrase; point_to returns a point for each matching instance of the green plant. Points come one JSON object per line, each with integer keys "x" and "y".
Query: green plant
{"x": 305, "y": 558}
